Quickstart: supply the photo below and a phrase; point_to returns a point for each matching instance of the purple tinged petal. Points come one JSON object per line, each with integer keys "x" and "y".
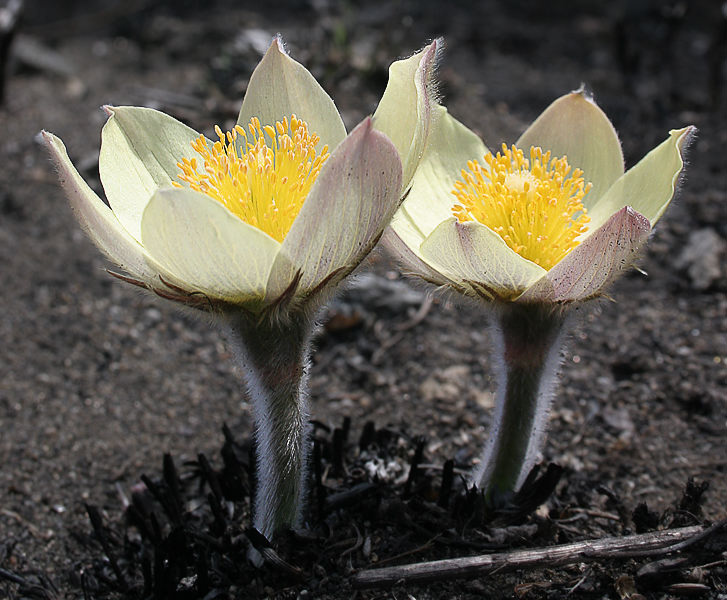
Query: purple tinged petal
{"x": 351, "y": 202}
{"x": 600, "y": 259}
{"x": 474, "y": 255}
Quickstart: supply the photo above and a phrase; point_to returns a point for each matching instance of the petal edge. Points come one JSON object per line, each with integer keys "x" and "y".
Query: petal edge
{"x": 211, "y": 250}
{"x": 352, "y": 200}
{"x": 574, "y": 126}
{"x": 97, "y": 219}
{"x": 601, "y": 258}
{"x": 140, "y": 148}
{"x": 280, "y": 86}
{"x": 650, "y": 185}
{"x": 405, "y": 110}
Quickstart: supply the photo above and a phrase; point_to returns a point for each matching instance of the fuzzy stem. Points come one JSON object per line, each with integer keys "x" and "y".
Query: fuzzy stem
{"x": 274, "y": 358}
{"x": 527, "y": 340}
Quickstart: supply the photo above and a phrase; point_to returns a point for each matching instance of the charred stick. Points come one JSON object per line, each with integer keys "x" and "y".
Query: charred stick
{"x": 12, "y": 577}
{"x": 655, "y": 543}
{"x": 220, "y": 521}
{"x": 349, "y": 496}
{"x": 9, "y": 19}
{"x": 367, "y": 435}
{"x": 210, "y": 476}
{"x": 338, "y": 452}
{"x": 414, "y": 468}
{"x": 167, "y": 504}
{"x": 171, "y": 478}
{"x": 148, "y": 574}
{"x": 137, "y": 519}
{"x": 346, "y": 427}
{"x": 97, "y": 523}
{"x": 447, "y": 480}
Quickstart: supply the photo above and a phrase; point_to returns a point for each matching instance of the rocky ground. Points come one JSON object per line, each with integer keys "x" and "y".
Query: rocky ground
{"x": 98, "y": 381}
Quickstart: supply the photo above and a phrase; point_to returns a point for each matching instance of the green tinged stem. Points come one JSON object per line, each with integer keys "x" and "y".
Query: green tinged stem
{"x": 527, "y": 340}
{"x": 274, "y": 356}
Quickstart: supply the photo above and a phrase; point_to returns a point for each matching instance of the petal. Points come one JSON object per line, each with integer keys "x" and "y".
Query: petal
{"x": 210, "y": 249}
{"x": 405, "y": 110}
{"x": 411, "y": 262}
{"x": 575, "y": 127}
{"x": 344, "y": 215}
{"x": 596, "y": 262}
{"x": 649, "y": 186}
{"x": 475, "y": 255}
{"x": 97, "y": 219}
{"x": 280, "y": 87}
{"x": 140, "y": 148}
{"x": 430, "y": 199}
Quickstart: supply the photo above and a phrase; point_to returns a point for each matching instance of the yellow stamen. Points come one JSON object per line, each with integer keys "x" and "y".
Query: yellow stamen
{"x": 535, "y": 205}
{"x": 264, "y": 177}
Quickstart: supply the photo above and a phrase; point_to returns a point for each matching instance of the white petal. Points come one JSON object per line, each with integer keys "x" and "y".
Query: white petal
{"x": 430, "y": 199}
{"x": 576, "y": 127}
{"x": 280, "y": 87}
{"x": 211, "y": 250}
{"x": 97, "y": 219}
{"x": 474, "y": 254}
{"x": 140, "y": 148}
{"x": 595, "y": 263}
{"x": 649, "y": 186}
{"x": 344, "y": 215}
{"x": 405, "y": 110}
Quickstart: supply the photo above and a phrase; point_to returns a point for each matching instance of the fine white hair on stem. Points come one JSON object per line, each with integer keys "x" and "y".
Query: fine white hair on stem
{"x": 274, "y": 418}
{"x": 274, "y": 357}
{"x": 527, "y": 344}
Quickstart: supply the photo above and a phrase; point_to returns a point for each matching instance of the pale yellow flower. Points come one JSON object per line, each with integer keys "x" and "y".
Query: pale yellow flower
{"x": 530, "y": 230}
{"x": 271, "y": 213}
{"x": 257, "y": 226}
{"x": 555, "y": 219}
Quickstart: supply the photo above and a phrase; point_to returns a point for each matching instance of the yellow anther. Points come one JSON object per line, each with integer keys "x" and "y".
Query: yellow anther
{"x": 535, "y": 204}
{"x": 264, "y": 177}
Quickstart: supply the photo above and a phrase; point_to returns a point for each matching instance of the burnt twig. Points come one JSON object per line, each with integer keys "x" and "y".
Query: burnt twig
{"x": 97, "y": 523}
{"x": 648, "y": 544}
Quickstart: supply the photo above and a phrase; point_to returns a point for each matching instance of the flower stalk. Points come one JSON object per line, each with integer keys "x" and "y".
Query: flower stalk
{"x": 274, "y": 356}
{"x": 527, "y": 341}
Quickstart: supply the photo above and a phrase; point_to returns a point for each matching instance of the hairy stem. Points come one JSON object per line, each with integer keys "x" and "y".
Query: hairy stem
{"x": 527, "y": 340}
{"x": 274, "y": 358}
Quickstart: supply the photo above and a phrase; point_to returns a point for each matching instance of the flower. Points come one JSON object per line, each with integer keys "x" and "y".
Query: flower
{"x": 257, "y": 226}
{"x": 553, "y": 218}
{"x": 530, "y": 230}
{"x": 272, "y": 213}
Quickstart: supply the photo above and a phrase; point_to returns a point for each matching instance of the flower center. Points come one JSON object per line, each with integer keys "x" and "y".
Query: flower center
{"x": 534, "y": 204}
{"x": 262, "y": 175}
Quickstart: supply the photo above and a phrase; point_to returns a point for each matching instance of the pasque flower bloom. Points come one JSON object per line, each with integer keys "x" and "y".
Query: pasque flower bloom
{"x": 188, "y": 244}
{"x": 472, "y": 257}
{"x": 257, "y": 226}
{"x": 533, "y": 229}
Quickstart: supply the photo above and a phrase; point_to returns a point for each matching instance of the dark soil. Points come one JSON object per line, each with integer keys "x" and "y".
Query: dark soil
{"x": 99, "y": 382}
